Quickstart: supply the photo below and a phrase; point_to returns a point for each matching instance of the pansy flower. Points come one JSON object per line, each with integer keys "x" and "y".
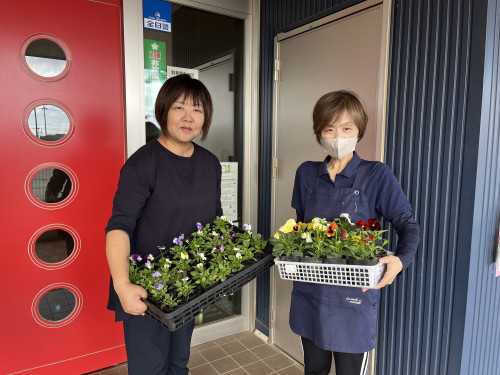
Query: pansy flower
{"x": 156, "y": 274}
{"x": 343, "y": 234}
{"x": 220, "y": 247}
{"x": 247, "y": 227}
{"x": 148, "y": 264}
{"x": 185, "y": 278}
{"x": 178, "y": 240}
{"x": 232, "y": 234}
{"x": 184, "y": 255}
{"x": 331, "y": 229}
{"x": 199, "y": 226}
{"x": 347, "y": 217}
{"x": 160, "y": 285}
{"x": 150, "y": 257}
{"x": 135, "y": 257}
{"x": 238, "y": 255}
{"x": 373, "y": 224}
{"x": 287, "y": 228}
{"x": 368, "y": 239}
{"x": 361, "y": 224}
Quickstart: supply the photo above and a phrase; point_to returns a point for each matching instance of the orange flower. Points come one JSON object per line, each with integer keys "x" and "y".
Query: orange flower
{"x": 332, "y": 228}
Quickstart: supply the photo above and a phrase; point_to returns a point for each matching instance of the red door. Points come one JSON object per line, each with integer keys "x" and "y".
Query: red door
{"x": 62, "y": 145}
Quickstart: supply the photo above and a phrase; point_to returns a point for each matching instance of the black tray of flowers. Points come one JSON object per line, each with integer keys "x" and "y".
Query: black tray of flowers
{"x": 213, "y": 262}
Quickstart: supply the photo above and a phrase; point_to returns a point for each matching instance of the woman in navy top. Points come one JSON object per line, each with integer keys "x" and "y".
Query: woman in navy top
{"x": 165, "y": 188}
{"x": 336, "y": 320}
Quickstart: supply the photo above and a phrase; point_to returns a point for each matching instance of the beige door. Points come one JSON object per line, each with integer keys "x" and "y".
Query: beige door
{"x": 342, "y": 54}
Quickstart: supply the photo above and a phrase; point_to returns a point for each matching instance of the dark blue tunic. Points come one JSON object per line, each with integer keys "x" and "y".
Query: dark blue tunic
{"x": 161, "y": 195}
{"x": 344, "y": 319}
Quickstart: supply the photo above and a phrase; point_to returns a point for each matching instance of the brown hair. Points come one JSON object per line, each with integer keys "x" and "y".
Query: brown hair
{"x": 173, "y": 89}
{"x": 330, "y": 107}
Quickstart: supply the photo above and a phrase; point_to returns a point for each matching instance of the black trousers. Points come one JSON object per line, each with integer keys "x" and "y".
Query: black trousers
{"x": 153, "y": 350}
{"x": 318, "y": 361}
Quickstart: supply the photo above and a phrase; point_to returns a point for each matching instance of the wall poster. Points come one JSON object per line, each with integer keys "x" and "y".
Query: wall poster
{"x": 229, "y": 190}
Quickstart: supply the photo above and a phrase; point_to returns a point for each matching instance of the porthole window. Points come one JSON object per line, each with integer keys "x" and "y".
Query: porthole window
{"x": 45, "y": 57}
{"x": 56, "y": 305}
{"x": 51, "y": 186}
{"x": 54, "y": 246}
{"x": 48, "y": 123}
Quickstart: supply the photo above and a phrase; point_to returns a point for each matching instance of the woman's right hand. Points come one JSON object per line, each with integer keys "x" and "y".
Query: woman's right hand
{"x": 130, "y": 298}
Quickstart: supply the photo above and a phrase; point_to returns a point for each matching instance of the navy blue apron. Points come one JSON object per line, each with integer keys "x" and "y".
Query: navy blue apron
{"x": 336, "y": 318}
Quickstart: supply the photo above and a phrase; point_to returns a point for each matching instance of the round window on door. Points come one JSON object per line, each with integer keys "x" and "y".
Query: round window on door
{"x": 48, "y": 123}
{"x": 45, "y": 57}
{"x": 51, "y": 186}
{"x": 56, "y": 305}
{"x": 54, "y": 246}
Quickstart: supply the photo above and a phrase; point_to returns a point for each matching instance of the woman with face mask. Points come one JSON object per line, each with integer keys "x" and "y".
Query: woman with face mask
{"x": 334, "y": 320}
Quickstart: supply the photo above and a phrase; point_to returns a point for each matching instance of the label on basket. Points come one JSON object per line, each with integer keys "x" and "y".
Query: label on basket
{"x": 290, "y": 268}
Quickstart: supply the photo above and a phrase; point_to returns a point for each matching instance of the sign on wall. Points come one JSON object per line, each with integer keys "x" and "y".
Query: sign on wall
{"x": 229, "y": 190}
{"x": 157, "y": 15}
{"x": 155, "y": 72}
{"x": 175, "y": 71}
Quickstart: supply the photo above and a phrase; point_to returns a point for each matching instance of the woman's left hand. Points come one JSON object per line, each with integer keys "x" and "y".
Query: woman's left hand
{"x": 394, "y": 267}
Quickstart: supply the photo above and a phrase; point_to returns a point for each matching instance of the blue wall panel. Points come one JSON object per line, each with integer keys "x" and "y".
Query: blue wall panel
{"x": 430, "y": 63}
{"x": 442, "y": 142}
{"x": 481, "y": 348}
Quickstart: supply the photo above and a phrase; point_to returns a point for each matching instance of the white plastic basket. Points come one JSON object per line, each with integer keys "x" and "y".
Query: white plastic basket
{"x": 332, "y": 274}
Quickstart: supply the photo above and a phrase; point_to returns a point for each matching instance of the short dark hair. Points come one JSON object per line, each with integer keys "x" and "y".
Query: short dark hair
{"x": 330, "y": 107}
{"x": 174, "y": 88}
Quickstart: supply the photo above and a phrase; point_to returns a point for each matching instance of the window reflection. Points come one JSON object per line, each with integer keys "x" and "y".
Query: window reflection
{"x": 51, "y": 185}
{"x": 45, "y": 57}
{"x": 56, "y": 304}
{"x": 48, "y": 123}
{"x": 54, "y": 246}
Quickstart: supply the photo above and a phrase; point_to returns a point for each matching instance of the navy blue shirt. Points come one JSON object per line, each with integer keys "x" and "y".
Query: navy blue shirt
{"x": 384, "y": 193}
{"x": 161, "y": 195}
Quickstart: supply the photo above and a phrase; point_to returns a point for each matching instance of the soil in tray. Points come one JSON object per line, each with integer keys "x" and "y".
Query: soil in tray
{"x": 362, "y": 262}
{"x": 335, "y": 261}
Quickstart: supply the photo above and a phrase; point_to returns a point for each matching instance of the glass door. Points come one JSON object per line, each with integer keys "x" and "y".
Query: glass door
{"x": 208, "y": 46}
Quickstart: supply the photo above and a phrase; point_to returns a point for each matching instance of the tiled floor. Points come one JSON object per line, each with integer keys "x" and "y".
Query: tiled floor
{"x": 239, "y": 354}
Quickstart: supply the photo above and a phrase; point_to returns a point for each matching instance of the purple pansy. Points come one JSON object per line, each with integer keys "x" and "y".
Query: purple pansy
{"x": 160, "y": 285}
{"x": 178, "y": 240}
{"x": 136, "y": 257}
{"x": 156, "y": 274}
{"x": 199, "y": 226}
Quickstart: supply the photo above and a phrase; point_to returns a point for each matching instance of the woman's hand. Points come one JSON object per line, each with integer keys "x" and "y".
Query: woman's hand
{"x": 394, "y": 267}
{"x": 130, "y": 298}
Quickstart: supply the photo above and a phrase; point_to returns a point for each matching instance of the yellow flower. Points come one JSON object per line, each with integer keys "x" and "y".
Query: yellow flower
{"x": 356, "y": 238}
{"x": 184, "y": 255}
{"x": 288, "y": 227}
{"x": 318, "y": 226}
{"x": 277, "y": 235}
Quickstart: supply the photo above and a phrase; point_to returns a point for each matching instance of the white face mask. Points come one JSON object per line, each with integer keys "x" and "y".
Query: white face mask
{"x": 339, "y": 148}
